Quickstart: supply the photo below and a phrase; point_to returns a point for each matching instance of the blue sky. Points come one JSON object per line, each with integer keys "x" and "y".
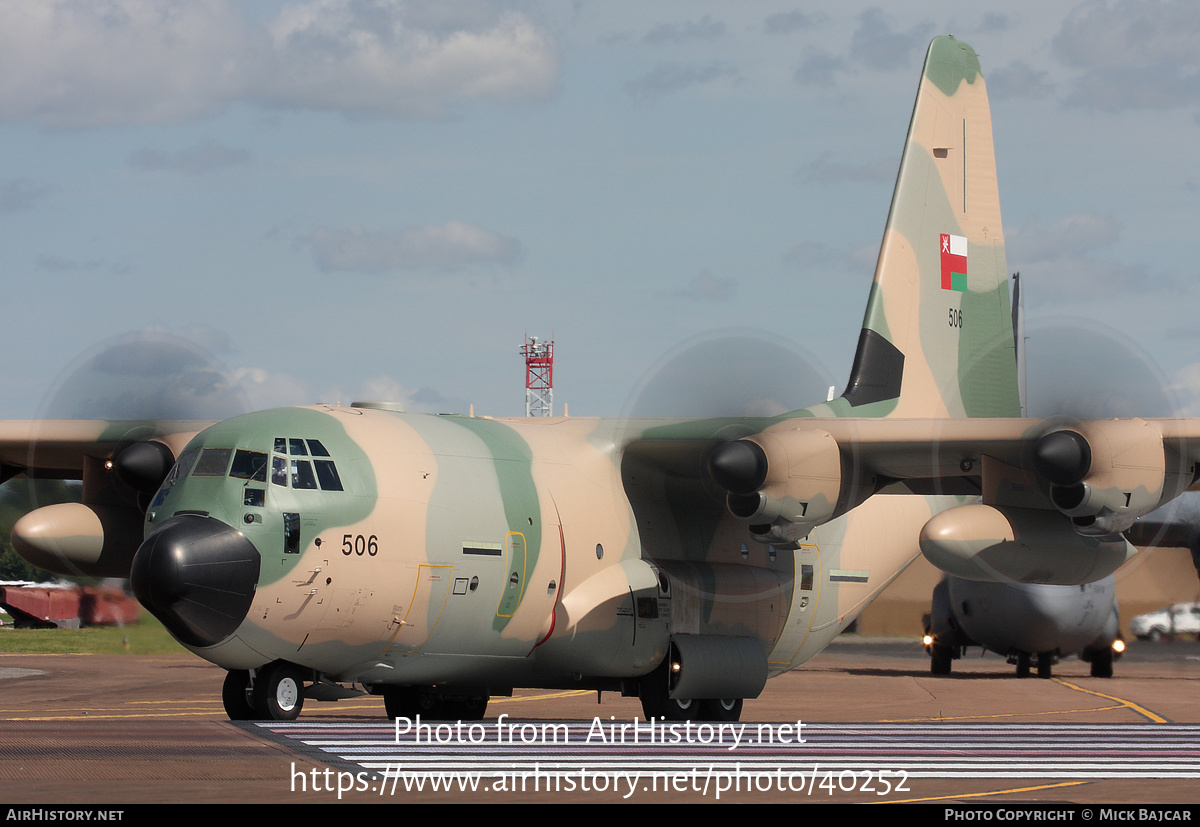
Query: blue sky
{"x": 355, "y": 199}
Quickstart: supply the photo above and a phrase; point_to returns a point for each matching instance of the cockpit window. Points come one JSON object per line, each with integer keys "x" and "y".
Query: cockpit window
{"x": 182, "y": 466}
{"x": 302, "y": 474}
{"x": 249, "y": 465}
{"x": 328, "y": 475}
{"x": 279, "y": 471}
{"x": 213, "y": 462}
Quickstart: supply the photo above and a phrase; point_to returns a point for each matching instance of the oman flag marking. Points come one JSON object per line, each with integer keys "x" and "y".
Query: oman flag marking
{"x": 954, "y": 263}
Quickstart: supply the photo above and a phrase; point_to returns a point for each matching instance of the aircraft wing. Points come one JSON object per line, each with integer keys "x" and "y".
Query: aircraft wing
{"x": 916, "y": 449}
{"x": 1116, "y": 469}
{"x": 121, "y": 463}
{"x": 60, "y": 449}
{"x": 1041, "y": 500}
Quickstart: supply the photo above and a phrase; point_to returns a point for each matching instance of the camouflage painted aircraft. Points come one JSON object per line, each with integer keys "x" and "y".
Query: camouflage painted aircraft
{"x": 439, "y": 560}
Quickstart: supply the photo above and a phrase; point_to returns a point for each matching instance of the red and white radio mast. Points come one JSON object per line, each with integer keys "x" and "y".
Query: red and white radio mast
{"x": 539, "y": 376}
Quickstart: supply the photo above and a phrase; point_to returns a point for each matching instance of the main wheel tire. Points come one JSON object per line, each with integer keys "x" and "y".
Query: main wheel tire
{"x": 657, "y": 703}
{"x": 672, "y": 709}
{"x": 411, "y": 701}
{"x": 468, "y": 708}
{"x": 1023, "y": 661}
{"x": 1045, "y": 665}
{"x": 940, "y": 658}
{"x": 721, "y": 709}
{"x": 1102, "y": 664}
{"x": 233, "y": 695}
{"x": 279, "y": 691}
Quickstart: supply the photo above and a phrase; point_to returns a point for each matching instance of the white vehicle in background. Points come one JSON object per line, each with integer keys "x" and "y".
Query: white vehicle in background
{"x": 1180, "y": 619}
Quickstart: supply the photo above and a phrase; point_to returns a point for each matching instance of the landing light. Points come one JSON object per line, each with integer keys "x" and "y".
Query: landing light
{"x": 1118, "y": 646}
{"x": 927, "y": 640}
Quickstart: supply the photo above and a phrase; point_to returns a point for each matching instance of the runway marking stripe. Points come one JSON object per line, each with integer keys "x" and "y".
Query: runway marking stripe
{"x": 1141, "y": 710}
{"x": 956, "y": 797}
{"x": 934, "y": 750}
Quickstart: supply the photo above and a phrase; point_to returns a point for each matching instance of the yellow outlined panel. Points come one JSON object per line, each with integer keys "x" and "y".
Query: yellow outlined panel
{"x": 425, "y": 609}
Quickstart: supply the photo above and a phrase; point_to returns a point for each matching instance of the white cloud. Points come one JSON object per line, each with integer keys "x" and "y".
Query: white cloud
{"x": 423, "y": 400}
{"x": 1019, "y": 80}
{"x": 266, "y": 389}
{"x": 1072, "y": 236}
{"x": 792, "y": 21}
{"x": 198, "y": 159}
{"x": 21, "y": 194}
{"x": 448, "y": 245}
{"x": 1147, "y": 31}
{"x": 876, "y": 45}
{"x": 1186, "y": 387}
{"x": 65, "y": 63}
{"x": 396, "y": 58}
{"x": 824, "y": 170}
{"x": 272, "y": 390}
{"x": 1135, "y": 55}
{"x": 706, "y": 286}
{"x": 704, "y": 29}
{"x": 70, "y": 64}
{"x": 1068, "y": 256}
{"x": 666, "y": 78}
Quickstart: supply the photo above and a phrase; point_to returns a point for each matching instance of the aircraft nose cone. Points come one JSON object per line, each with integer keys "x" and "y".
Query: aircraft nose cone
{"x": 197, "y": 575}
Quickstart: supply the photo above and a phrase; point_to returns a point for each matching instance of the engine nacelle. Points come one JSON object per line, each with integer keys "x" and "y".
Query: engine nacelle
{"x": 1105, "y": 474}
{"x": 1026, "y": 545}
{"x": 74, "y": 538}
{"x": 785, "y": 481}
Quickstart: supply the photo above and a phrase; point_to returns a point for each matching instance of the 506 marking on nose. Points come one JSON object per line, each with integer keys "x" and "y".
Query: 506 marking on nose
{"x": 358, "y": 543}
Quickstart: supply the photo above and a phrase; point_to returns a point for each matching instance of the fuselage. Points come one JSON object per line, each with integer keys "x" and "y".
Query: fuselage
{"x": 414, "y": 549}
{"x": 1034, "y": 617}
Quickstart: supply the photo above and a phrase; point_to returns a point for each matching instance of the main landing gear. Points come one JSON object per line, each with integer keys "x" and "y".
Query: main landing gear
{"x": 1025, "y": 661}
{"x": 654, "y": 690}
{"x": 433, "y": 704}
{"x": 1102, "y": 663}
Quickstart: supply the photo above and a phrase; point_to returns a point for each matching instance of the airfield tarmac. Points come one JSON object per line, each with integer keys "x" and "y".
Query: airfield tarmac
{"x": 97, "y": 729}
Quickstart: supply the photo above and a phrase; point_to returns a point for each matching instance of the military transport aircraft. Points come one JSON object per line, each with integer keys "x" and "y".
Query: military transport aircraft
{"x": 1026, "y": 622}
{"x": 439, "y": 560}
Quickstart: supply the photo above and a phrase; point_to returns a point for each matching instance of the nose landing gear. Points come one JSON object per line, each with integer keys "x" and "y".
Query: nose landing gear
{"x": 275, "y": 694}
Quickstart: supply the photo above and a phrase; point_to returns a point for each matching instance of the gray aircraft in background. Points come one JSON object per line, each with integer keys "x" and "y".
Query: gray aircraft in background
{"x": 1032, "y": 624}
{"x": 1027, "y": 622}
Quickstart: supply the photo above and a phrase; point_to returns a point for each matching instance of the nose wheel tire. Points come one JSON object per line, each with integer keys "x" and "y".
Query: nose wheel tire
{"x": 279, "y": 692}
{"x": 234, "y": 695}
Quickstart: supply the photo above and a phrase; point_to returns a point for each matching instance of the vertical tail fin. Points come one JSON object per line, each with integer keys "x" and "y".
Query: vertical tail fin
{"x": 937, "y": 338}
